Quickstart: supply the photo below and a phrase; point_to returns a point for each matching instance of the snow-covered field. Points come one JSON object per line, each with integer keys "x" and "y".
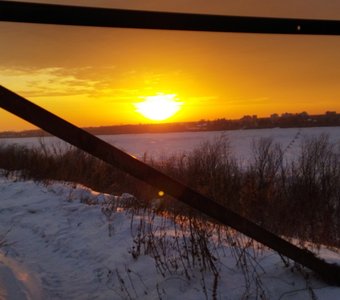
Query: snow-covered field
{"x": 157, "y": 145}
{"x": 55, "y": 246}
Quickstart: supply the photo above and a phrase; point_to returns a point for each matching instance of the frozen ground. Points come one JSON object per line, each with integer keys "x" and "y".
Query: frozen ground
{"x": 54, "y": 246}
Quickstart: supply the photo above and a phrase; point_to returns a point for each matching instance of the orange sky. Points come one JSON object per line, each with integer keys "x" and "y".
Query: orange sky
{"x": 93, "y": 76}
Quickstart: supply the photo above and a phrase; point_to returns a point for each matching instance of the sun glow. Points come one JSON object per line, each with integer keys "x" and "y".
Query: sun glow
{"x": 159, "y": 107}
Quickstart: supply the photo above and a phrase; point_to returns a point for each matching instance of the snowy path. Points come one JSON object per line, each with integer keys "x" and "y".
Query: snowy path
{"x": 55, "y": 237}
{"x": 59, "y": 248}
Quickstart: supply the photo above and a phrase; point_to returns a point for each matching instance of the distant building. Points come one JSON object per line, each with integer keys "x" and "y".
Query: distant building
{"x": 332, "y": 116}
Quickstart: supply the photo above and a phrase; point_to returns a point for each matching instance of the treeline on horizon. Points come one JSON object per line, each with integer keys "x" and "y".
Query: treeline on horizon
{"x": 286, "y": 120}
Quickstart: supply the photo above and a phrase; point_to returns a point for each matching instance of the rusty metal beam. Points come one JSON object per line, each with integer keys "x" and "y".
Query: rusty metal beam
{"x": 68, "y": 132}
{"x": 13, "y": 11}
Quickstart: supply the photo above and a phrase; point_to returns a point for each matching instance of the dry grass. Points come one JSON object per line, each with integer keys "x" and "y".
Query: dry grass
{"x": 297, "y": 199}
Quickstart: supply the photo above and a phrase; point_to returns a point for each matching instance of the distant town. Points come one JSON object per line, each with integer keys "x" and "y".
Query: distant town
{"x": 285, "y": 120}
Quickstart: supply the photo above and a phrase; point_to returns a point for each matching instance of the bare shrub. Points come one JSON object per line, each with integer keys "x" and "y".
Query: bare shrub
{"x": 314, "y": 190}
{"x": 262, "y": 181}
{"x": 70, "y": 165}
{"x": 210, "y": 169}
{"x": 190, "y": 247}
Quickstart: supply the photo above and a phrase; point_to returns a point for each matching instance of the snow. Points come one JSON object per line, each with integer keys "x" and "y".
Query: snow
{"x": 58, "y": 241}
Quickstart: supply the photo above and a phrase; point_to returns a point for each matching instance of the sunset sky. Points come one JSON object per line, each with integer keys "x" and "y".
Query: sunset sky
{"x": 94, "y": 76}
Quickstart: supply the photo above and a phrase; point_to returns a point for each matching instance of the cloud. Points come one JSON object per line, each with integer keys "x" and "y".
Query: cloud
{"x": 47, "y": 82}
{"x": 110, "y": 84}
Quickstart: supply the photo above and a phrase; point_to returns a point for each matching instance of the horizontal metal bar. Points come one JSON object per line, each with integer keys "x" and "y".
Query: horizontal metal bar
{"x": 13, "y": 11}
{"x": 53, "y": 124}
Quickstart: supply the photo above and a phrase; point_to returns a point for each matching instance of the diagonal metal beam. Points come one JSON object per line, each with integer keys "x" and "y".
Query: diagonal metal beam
{"x": 13, "y": 11}
{"x": 53, "y": 124}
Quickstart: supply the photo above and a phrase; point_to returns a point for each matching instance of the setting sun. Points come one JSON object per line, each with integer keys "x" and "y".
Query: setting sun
{"x": 159, "y": 107}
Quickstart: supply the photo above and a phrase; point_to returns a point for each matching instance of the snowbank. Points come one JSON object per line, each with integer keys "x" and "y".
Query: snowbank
{"x": 58, "y": 244}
